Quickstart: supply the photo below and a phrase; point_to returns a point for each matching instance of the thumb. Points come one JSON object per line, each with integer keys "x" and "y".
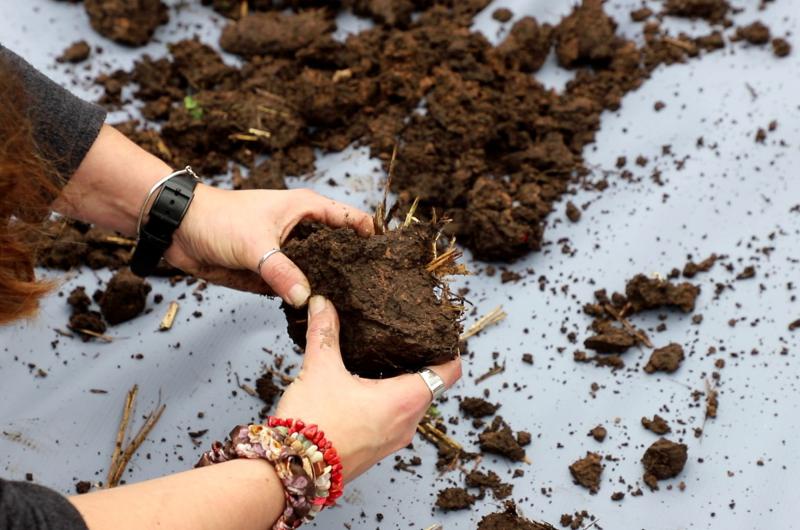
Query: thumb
{"x": 283, "y": 276}
{"x": 322, "y": 337}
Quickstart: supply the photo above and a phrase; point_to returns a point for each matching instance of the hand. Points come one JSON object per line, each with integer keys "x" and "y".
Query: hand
{"x": 225, "y": 233}
{"x": 365, "y": 419}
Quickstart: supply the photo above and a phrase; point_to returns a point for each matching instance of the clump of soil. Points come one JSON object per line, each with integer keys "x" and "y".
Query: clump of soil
{"x": 267, "y": 390}
{"x": 499, "y": 439}
{"x": 490, "y": 481}
{"x": 610, "y": 339}
{"x": 657, "y": 425}
{"x": 509, "y": 519}
{"x": 130, "y": 22}
{"x": 714, "y": 11}
{"x": 502, "y": 14}
{"x": 599, "y": 433}
{"x": 454, "y": 499}
{"x": 82, "y": 318}
{"x": 276, "y": 33}
{"x": 781, "y": 47}
{"x": 124, "y": 298}
{"x": 587, "y": 471}
{"x": 75, "y": 53}
{"x": 474, "y": 407}
{"x": 654, "y": 293}
{"x": 586, "y": 36}
{"x": 392, "y": 320}
{"x": 662, "y": 460}
{"x": 691, "y": 269}
{"x": 756, "y": 33}
{"x": 667, "y": 359}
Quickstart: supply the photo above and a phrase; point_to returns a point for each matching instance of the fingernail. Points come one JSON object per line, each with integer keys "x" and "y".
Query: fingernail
{"x": 316, "y": 304}
{"x": 298, "y": 295}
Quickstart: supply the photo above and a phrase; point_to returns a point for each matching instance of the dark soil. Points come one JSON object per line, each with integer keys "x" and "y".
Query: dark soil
{"x": 499, "y": 439}
{"x": 491, "y": 481}
{"x": 75, "y": 53}
{"x": 587, "y": 471}
{"x": 124, "y": 298}
{"x": 657, "y": 425}
{"x": 714, "y": 11}
{"x": 130, "y": 22}
{"x": 781, "y": 47}
{"x": 474, "y": 407}
{"x": 662, "y": 460}
{"x": 667, "y": 359}
{"x": 509, "y": 519}
{"x": 454, "y": 499}
{"x": 391, "y": 319}
{"x": 756, "y": 33}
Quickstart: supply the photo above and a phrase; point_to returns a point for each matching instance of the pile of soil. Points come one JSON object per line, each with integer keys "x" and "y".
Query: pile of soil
{"x": 130, "y": 22}
{"x": 495, "y": 149}
{"x": 392, "y": 320}
{"x": 587, "y": 471}
{"x": 662, "y": 460}
{"x": 509, "y": 519}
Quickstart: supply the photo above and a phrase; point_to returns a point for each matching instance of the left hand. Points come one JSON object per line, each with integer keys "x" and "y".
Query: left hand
{"x": 225, "y": 233}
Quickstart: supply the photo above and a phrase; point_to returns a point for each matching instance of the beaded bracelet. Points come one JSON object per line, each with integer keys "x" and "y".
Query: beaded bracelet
{"x": 307, "y": 464}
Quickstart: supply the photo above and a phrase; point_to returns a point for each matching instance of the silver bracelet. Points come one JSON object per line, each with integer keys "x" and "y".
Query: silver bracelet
{"x": 185, "y": 171}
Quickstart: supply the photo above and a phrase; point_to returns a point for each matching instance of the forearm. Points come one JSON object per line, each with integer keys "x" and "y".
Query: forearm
{"x": 111, "y": 183}
{"x": 240, "y": 494}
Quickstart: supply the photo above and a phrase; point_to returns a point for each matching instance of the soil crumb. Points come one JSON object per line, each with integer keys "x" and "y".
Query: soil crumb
{"x": 587, "y": 471}
{"x": 474, "y": 407}
{"x": 499, "y": 439}
{"x": 657, "y": 425}
{"x": 509, "y": 519}
{"x": 124, "y": 298}
{"x": 691, "y": 268}
{"x": 653, "y": 293}
{"x": 662, "y": 460}
{"x": 392, "y": 321}
{"x": 599, "y": 433}
{"x": 491, "y": 481}
{"x": 714, "y": 11}
{"x": 502, "y": 14}
{"x": 454, "y": 499}
{"x": 267, "y": 390}
{"x": 130, "y": 22}
{"x": 756, "y": 33}
{"x": 781, "y": 47}
{"x": 667, "y": 359}
{"x": 75, "y": 53}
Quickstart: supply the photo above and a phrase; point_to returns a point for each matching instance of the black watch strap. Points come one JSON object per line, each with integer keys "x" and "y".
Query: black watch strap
{"x": 166, "y": 214}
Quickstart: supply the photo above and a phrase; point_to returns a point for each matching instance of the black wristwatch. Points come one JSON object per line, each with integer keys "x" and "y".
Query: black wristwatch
{"x": 169, "y": 207}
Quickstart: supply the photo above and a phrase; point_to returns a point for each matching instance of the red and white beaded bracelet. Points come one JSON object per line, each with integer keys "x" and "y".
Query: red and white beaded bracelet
{"x": 307, "y": 464}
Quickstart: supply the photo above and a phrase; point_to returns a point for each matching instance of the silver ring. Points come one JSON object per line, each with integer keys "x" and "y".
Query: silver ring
{"x": 268, "y": 254}
{"x": 434, "y": 382}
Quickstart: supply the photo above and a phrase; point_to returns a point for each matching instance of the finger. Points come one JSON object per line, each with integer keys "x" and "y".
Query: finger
{"x": 322, "y": 336}
{"x": 412, "y": 390}
{"x": 334, "y": 213}
{"x": 284, "y": 277}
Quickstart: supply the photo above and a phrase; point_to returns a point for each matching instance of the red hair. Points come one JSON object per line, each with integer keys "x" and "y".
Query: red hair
{"x": 26, "y": 190}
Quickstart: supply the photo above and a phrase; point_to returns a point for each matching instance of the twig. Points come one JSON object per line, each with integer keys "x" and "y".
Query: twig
{"x": 593, "y": 523}
{"x": 639, "y": 334}
{"x": 492, "y": 317}
{"x": 380, "y": 220}
{"x": 104, "y": 338}
{"x": 680, "y": 44}
{"x": 132, "y": 447}
{"x": 247, "y": 388}
{"x": 494, "y": 370}
{"x": 169, "y": 317}
{"x": 123, "y": 428}
{"x": 410, "y": 215}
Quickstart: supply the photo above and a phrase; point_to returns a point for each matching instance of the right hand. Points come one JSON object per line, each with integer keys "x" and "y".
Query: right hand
{"x": 365, "y": 419}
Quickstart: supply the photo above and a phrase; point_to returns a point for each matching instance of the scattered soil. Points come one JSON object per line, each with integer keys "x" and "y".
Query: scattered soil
{"x": 75, "y": 53}
{"x": 756, "y": 33}
{"x": 598, "y": 433}
{"x": 587, "y": 471}
{"x": 391, "y": 319}
{"x": 491, "y": 481}
{"x": 130, "y": 22}
{"x": 657, "y": 425}
{"x": 781, "y": 47}
{"x": 509, "y": 519}
{"x": 454, "y": 499}
{"x": 667, "y": 359}
{"x": 662, "y": 460}
{"x": 124, "y": 298}
{"x": 714, "y": 11}
{"x": 499, "y": 439}
{"x": 267, "y": 390}
{"x": 474, "y": 407}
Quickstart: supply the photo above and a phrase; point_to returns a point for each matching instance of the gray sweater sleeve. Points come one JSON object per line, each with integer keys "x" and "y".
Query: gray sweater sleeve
{"x": 64, "y": 126}
{"x": 25, "y": 506}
